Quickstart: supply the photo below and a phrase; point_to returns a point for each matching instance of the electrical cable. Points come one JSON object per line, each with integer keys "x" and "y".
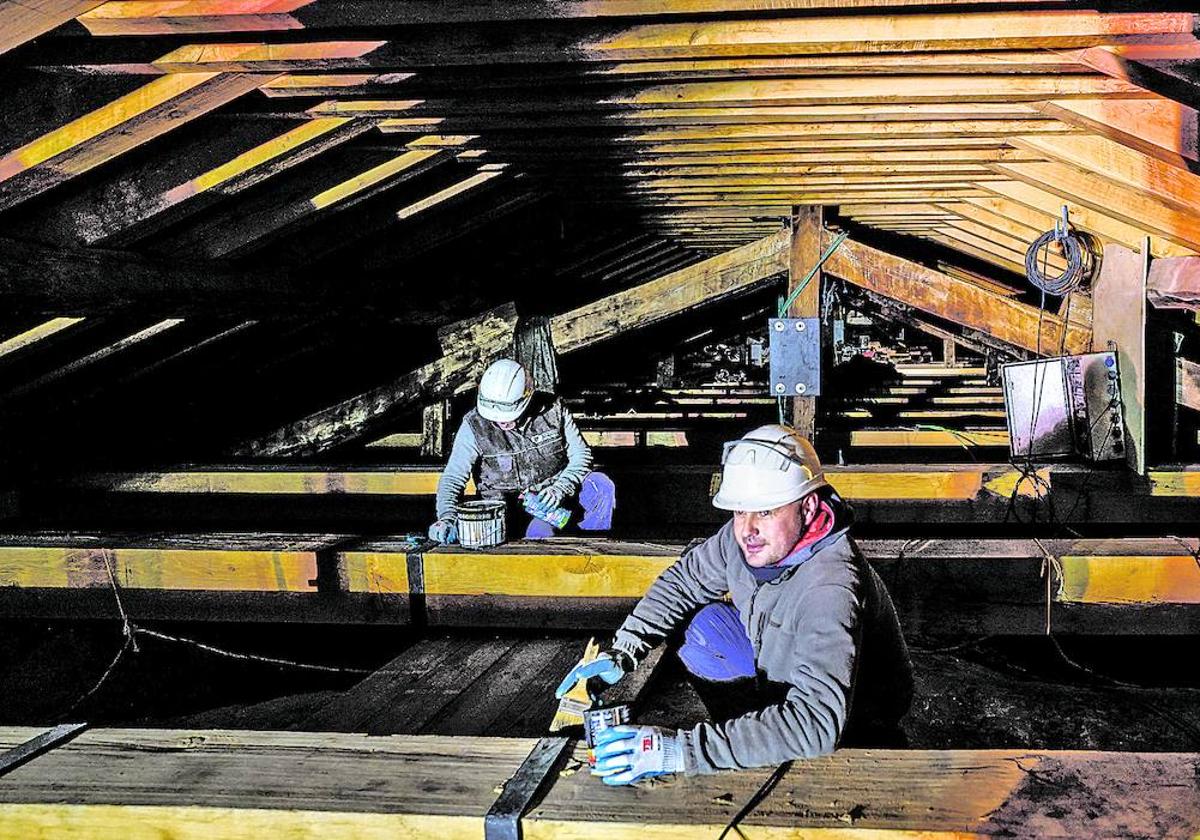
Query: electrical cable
{"x": 1078, "y": 253}
{"x": 753, "y": 802}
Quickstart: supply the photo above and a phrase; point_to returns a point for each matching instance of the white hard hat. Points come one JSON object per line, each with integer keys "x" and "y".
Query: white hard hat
{"x": 504, "y": 391}
{"x": 767, "y": 468}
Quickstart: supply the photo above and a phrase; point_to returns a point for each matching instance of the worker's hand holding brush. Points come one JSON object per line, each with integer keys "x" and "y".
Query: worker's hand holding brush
{"x": 607, "y": 666}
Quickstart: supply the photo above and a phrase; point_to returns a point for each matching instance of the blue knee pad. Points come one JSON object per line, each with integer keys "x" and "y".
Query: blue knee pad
{"x": 716, "y": 646}
{"x": 597, "y": 497}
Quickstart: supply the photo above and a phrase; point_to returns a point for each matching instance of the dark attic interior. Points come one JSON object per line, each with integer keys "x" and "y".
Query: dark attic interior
{"x": 806, "y": 390}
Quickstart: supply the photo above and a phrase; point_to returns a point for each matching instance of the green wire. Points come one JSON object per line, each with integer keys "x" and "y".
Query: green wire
{"x": 783, "y": 307}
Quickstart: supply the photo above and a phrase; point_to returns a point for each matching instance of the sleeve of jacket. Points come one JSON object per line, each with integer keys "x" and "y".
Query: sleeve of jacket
{"x": 579, "y": 456}
{"x": 810, "y": 720}
{"x": 696, "y": 579}
{"x": 457, "y": 472}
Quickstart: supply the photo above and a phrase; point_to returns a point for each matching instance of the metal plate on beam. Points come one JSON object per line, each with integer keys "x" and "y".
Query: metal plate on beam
{"x": 795, "y": 356}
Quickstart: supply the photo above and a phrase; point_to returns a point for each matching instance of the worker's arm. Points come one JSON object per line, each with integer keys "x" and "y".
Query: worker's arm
{"x": 696, "y": 579}
{"x": 579, "y": 457}
{"x": 810, "y": 721}
{"x": 457, "y": 473}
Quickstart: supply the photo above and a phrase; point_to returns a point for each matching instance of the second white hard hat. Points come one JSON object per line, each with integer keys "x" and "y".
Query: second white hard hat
{"x": 767, "y": 468}
{"x": 505, "y": 390}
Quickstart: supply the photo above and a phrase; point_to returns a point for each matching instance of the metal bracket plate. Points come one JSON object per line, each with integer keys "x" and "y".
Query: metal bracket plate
{"x": 795, "y": 356}
{"x": 503, "y": 821}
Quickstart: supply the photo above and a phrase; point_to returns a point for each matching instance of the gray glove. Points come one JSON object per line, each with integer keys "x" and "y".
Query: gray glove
{"x": 444, "y": 531}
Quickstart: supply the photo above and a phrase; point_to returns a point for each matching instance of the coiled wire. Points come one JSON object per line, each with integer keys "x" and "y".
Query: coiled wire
{"x": 1078, "y": 250}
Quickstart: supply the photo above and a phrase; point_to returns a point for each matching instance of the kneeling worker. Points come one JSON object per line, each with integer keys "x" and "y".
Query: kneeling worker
{"x": 517, "y": 440}
{"x": 810, "y": 648}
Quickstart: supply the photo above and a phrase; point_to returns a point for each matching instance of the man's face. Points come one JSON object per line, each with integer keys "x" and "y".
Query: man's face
{"x": 506, "y": 425}
{"x": 767, "y": 536}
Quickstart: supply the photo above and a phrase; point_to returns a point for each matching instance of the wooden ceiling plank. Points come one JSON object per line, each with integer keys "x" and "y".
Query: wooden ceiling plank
{"x": 453, "y": 191}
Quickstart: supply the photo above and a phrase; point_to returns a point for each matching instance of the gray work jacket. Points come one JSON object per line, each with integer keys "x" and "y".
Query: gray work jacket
{"x": 825, "y": 628}
{"x": 546, "y": 447}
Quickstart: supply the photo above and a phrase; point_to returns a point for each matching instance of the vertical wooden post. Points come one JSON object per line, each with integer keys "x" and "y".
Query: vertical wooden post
{"x": 1119, "y": 320}
{"x": 948, "y": 358}
{"x": 434, "y": 420}
{"x": 807, "y": 224}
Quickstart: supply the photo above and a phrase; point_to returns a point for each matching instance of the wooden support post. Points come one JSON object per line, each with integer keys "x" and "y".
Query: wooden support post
{"x": 807, "y": 223}
{"x": 434, "y": 420}
{"x": 948, "y": 352}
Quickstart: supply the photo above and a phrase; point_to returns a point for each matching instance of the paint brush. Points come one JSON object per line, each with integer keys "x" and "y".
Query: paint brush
{"x": 576, "y": 701}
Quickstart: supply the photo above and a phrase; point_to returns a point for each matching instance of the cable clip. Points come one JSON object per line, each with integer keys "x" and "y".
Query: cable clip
{"x": 1062, "y": 227}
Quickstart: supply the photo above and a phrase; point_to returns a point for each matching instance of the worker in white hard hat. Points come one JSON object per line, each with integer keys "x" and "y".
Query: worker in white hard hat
{"x": 791, "y": 637}
{"x": 521, "y": 442}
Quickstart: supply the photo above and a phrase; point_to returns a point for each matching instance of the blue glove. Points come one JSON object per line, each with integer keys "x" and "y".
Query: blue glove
{"x": 605, "y": 666}
{"x": 444, "y": 531}
{"x": 548, "y": 498}
{"x": 534, "y": 507}
{"x": 626, "y": 754}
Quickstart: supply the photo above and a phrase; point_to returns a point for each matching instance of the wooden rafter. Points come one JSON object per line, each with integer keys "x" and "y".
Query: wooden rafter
{"x": 96, "y": 138}
{"x": 24, "y": 20}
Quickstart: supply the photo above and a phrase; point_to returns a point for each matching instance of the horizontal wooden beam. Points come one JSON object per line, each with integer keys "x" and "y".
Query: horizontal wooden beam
{"x": 242, "y": 785}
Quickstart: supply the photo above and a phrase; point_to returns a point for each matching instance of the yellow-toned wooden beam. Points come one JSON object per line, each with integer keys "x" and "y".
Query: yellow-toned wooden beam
{"x": 1120, "y": 579}
{"x": 262, "y": 57}
{"x": 1156, "y": 125}
{"x": 34, "y": 334}
{"x": 1037, "y": 208}
{"x": 241, "y": 785}
{"x": 124, "y": 124}
{"x": 24, "y": 20}
{"x": 1128, "y": 167}
{"x": 905, "y": 438}
{"x": 205, "y": 569}
{"x": 285, "y": 482}
{"x": 441, "y": 196}
{"x": 253, "y": 166}
{"x": 264, "y": 226}
{"x": 1107, "y": 197}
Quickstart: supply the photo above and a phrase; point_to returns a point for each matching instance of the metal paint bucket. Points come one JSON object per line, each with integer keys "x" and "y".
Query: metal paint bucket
{"x": 596, "y": 721}
{"x": 481, "y": 523}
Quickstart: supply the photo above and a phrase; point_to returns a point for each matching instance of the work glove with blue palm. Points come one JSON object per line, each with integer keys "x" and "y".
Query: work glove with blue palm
{"x": 609, "y": 666}
{"x": 444, "y": 531}
{"x": 627, "y": 754}
{"x": 544, "y": 501}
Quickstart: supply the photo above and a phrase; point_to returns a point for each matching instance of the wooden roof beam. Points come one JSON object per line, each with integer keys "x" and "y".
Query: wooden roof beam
{"x": 1155, "y": 126}
{"x": 953, "y": 299}
{"x": 124, "y": 124}
{"x": 1038, "y": 209}
{"x": 139, "y": 17}
{"x": 750, "y": 37}
{"x": 1109, "y": 198}
{"x": 253, "y": 166}
{"x": 24, "y": 20}
{"x": 676, "y": 292}
{"x": 64, "y": 282}
{"x": 254, "y": 232}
